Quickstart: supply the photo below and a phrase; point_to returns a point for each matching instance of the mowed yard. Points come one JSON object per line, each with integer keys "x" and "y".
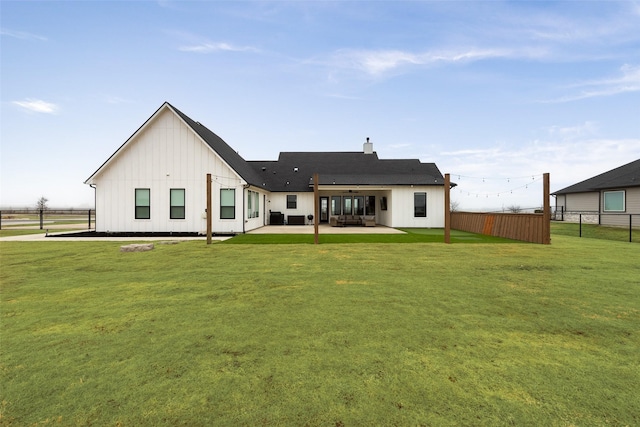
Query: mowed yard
{"x": 328, "y": 335}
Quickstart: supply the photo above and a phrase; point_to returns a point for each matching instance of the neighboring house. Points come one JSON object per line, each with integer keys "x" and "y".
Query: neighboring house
{"x": 156, "y": 182}
{"x": 609, "y": 198}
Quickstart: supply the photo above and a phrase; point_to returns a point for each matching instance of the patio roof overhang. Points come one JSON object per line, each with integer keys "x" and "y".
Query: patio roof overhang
{"x": 373, "y": 181}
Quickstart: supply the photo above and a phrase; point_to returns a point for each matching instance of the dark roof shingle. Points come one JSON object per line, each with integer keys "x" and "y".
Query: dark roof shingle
{"x": 624, "y": 176}
{"x": 223, "y": 149}
{"x": 293, "y": 170}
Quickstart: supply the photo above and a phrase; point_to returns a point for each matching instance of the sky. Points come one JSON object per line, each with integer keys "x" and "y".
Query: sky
{"x": 496, "y": 93}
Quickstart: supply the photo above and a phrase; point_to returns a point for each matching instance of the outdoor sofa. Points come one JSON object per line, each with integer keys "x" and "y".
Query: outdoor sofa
{"x": 344, "y": 220}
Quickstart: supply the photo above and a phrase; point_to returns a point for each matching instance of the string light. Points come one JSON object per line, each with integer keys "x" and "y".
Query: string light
{"x": 534, "y": 178}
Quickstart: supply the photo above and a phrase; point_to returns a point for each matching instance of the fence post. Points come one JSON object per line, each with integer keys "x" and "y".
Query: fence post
{"x": 580, "y": 215}
{"x": 41, "y": 218}
{"x": 209, "y": 211}
{"x": 546, "y": 215}
{"x": 0, "y": 220}
{"x": 447, "y": 208}
{"x": 89, "y": 219}
{"x": 630, "y": 228}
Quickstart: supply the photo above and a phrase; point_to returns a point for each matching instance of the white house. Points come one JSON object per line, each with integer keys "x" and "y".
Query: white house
{"x": 156, "y": 183}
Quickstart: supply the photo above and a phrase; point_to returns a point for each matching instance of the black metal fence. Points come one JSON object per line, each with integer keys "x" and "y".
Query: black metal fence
{"x": 600, "y": 225}
{"x": 30, "y": 217}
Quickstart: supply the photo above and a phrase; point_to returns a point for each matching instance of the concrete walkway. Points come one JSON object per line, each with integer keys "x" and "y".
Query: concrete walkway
{"x": 52, "y": 238}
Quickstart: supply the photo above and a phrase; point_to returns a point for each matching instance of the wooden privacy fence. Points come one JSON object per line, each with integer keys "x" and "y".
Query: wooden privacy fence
{"x": 528, "y": 227}
{"x": 535, "y": 228}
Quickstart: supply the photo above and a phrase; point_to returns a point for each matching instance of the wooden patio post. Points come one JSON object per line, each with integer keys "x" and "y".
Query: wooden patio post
{"x": 316, "y": 208}
{"x": 447, "y": 208}
{"x": 209, "y": 209}
{"x": 546, "y": 213}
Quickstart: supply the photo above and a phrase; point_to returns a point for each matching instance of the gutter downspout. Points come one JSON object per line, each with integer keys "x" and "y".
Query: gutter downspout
{"x": 95, "y": 199}
{"x": 244, "y": 210}
{"x": 600, "y": 207}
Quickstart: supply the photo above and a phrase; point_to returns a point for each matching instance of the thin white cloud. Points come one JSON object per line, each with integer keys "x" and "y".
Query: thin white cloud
{"x": 209, "y": 47}
{"x": 23, "y": 35}
{"x": 567, "y": 160}
{"x": 567, "y": 33}
{"x": 489, "y": 178}
{"x": 627, "y": 81}
{"x": 37, "y": 106}
{"x": 587, "y": 128}
{"x": 378, "y": 62}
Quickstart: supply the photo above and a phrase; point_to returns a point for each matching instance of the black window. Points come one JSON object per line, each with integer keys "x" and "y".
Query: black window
{"x": 358, "y": 205}
{"x": 419, "y": 204}
{"x": 347, "y": 205}
{"x": 227, "y": 203}
{"x": 370, "y": 205}
{"x": 336, "y": 205}
{"x": 143, "y": 203}
{"x": 292, "y": 201}
{"x": 176, "y": 203}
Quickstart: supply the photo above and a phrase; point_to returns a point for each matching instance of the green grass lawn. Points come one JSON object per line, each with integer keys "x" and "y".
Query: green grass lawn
{"x": 53, "y": 227}
{"x": 333, "y": 334}
{"x": 594, "y": 231}
{"x": 412, "y": 235}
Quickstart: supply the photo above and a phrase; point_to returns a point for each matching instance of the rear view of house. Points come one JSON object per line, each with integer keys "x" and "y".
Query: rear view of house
{"x": 156, "y": 183}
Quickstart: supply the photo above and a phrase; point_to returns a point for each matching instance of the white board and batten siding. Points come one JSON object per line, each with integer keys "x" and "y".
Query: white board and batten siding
{"x": 401, "y": 207}
{"x": 277, "y": 202}
{"x": 165, "y": 154}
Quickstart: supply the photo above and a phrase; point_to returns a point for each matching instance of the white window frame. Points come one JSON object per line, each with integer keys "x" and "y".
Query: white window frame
{"x": 253, "y": 204}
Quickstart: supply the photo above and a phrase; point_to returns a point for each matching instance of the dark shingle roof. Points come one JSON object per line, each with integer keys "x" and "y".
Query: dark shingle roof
{"x": 624, "y": 176}
{"x": 223, "y": 149}
{"x": 293, "y": 170}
